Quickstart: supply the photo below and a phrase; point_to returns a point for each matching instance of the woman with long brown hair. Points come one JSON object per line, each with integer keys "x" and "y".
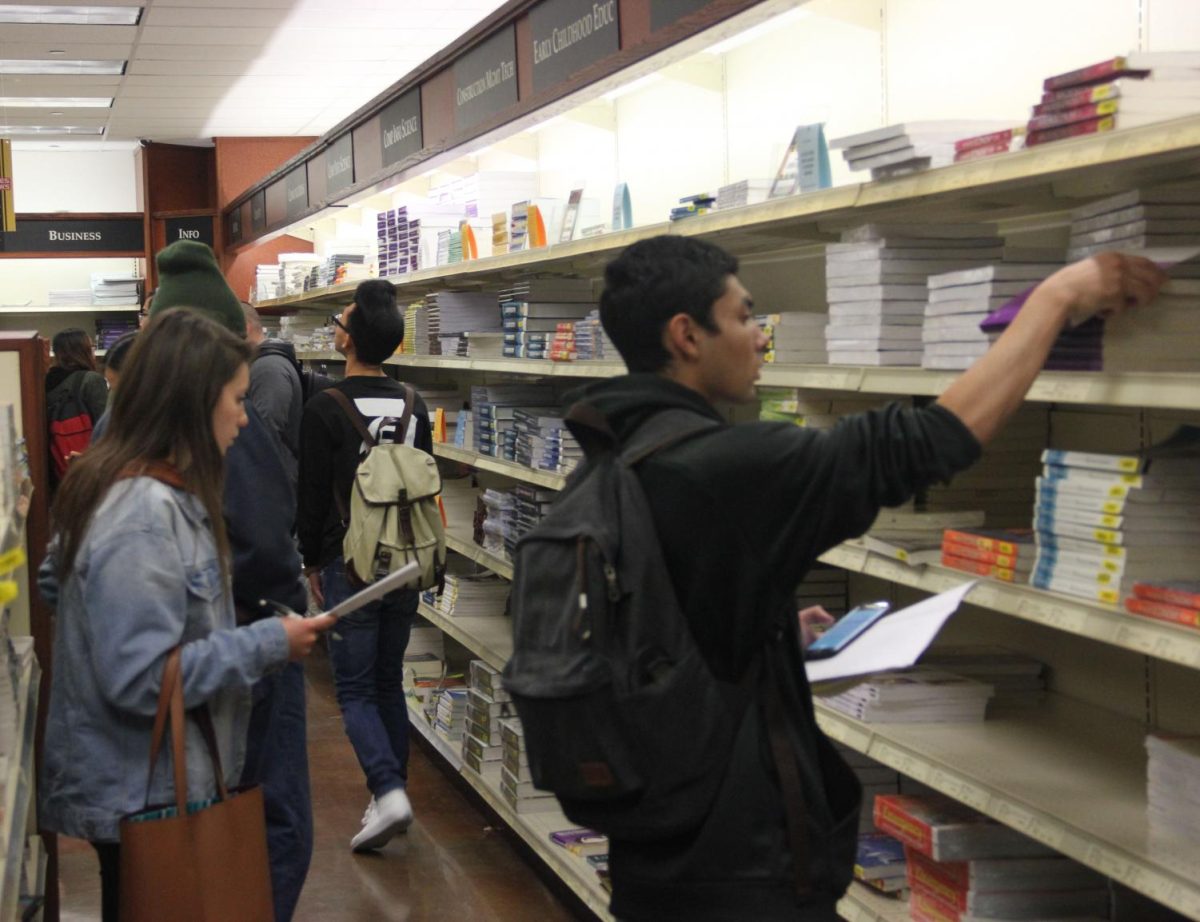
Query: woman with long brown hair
{"x": 140, "y": 564}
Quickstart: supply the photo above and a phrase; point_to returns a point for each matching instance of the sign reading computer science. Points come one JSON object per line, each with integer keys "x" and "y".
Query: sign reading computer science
{"x": 568, "y": 35}
{"x": 339, "y": 165}
{"x": 81, "y": 235}
{"x": 400, "y": 128}
{"x": 485, "y": 80}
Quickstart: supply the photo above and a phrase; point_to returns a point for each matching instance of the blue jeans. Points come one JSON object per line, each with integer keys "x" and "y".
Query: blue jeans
{"x": 366, "y": 649}
{"x": 277, "y": 758}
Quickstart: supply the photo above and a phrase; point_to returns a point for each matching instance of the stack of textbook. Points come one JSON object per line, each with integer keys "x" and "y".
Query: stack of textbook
{"x": 516, "y": 785}
{"x": 1151, "y": 217}
{"x": 451, "y": 714}
{"x": 918, "y": 695}
{"x": 473, "y": 596}
{"x": 1173, "y": 788}
{"x": 1177, "y": 601}
{"x": 876, "y": 285}
{"x": 544, "y": 442}
{"x": 1103, "y": 522}
{"x": 533, "y": 310}
{"x": 959, "y": 302}
{"x": 591, "y": 342}
{"x": 795, "y": 338}
{"x": 487, "y": 704}
{"x": 901, "y": 149}
{"x": 744, "y": 192}
{"x": 963, "y": 866}
{"x": 999, "y": 553}
{"x": 1164, "y": 338}
{"x": 879, "y": 861}
{"x": 495, "y": 406}
{"x": 1018, "y": 680}
{"x": 1122, "y": 92}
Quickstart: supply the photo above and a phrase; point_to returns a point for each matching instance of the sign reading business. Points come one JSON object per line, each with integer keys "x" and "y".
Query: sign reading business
{"x": 194, "y": 228}
{"x": 339, "y": 165}
{"x": 665, "y": 12}
{"x": 568, "y": 35}
{"x": 295, "y": 184}
{"x": 400, "y": 128}
{"x": 83, "y": 235}
{"x": 485, "y": 80}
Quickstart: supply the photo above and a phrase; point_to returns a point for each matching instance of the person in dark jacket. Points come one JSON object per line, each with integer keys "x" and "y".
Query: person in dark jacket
{"x": 74, "y": 381}
{"x": 276, "y": 387}
{"x": 743, "y": 511}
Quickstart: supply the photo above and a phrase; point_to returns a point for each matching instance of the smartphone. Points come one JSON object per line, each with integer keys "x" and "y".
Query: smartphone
{"x": 846, "y": 629}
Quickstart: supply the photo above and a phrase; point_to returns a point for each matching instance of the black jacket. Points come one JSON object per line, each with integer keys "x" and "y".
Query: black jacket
{"x": 742, "y": 513}
{"x": 93, "y": 389}
{"x": 277, "y": 394}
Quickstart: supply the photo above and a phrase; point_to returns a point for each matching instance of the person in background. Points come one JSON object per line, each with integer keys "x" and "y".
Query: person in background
{"x": 144, "y": 313}
{"x": 276, "y": 387}
{"x": 367, "y": 649}
{"x": 742, "y": 512}
{"x": 114, "y": 360}
{"x": 260, "y": 511}
{"x": 73, "y": 387}
{"x": 139, "y": 564}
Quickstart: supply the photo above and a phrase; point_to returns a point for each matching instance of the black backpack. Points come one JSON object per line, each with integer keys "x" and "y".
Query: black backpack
{"x": 604, "y": 664}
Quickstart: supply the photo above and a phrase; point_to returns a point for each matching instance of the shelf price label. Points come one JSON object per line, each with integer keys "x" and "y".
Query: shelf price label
{"x": 904, "y": 762}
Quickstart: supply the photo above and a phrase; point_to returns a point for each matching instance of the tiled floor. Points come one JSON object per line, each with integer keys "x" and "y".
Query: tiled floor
{"x": 453, "y": 864}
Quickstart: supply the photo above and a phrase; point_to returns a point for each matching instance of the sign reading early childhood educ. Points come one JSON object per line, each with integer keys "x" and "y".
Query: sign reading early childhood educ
{"x": 339, "y": 165}
{"x": 295, "y": 184}
{"x": 568, "y": 35}
{"x": 485, "y": 80}
{"x": 665, "y": 12}
{"x": 400, "y": 128}
{"x": 198, "y": 228}
{"x": 258, "y": 211}
{"x": 80, "y": 235}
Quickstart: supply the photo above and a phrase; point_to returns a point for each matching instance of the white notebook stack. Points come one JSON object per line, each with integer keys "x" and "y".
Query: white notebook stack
{"x": 1163, "y": 337}
{"x": 918, "y": 695}
{"x": 744, "y": 192}
{"x": 1017, "y": 680}
{"x": 1152, "y": 217}
{"x": 876, "y": 285}
{"x": 266, "y": 282}
{"x": 901, "y": 149}
{"x": 294, "y": 270}
{"x": 114, "y": 290}
{"x": 797, "y": 338}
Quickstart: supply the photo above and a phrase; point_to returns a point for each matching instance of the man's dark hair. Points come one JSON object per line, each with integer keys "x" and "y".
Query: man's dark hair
{"x": 376, "y": 324}
{"x": 115, "y": 357}
{"x": 650, "y": 283}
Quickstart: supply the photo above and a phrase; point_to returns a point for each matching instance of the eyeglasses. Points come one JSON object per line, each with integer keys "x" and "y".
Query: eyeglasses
{"x": 336, "y": 320}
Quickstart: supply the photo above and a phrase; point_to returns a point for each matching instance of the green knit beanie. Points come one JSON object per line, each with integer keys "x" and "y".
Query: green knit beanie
{"x": 188, "y": 276}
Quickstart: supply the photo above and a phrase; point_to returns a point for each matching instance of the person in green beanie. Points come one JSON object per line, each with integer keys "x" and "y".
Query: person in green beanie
{"x": 188, "y": 276}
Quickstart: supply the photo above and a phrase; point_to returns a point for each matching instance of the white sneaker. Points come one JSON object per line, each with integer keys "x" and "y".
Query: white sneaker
{"x": 390, "y": 814}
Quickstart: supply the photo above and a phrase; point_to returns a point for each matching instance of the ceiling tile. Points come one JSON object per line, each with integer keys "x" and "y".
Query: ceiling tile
{"x": 214, "y": 15}
{"x": 56, "y": 36}
{"x": 58, "y": 85}
{"x": 73, "y": 51}
{"x": 206, "y": 36}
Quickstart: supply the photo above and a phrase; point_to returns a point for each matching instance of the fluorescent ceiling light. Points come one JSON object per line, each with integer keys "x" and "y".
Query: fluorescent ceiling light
{"x": 55, "y": 102}
{"x": 48, "y": 68}
{"x": 48, "y": 129}
{"x": 71, "y": 15}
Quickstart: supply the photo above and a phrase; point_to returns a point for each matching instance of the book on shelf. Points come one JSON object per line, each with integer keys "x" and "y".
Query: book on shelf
{"x": 1189, "y": 616}
{"x": 1093, "y": 73}
{"x": 1017, "y": 574}
{"x": 580, "y": 841}
{"x": 918, "y": 695}
{"x": 947, "y": 830}
{"x": 992, "y": 140}
{"x": 1185, "y": 593}
{"x": 1172, "y": 789}
{"x": 914, "y": 551}
{"x": 879, "y": 856}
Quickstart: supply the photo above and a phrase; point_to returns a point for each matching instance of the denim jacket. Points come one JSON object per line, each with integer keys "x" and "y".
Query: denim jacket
{"x": 145, "y": 578}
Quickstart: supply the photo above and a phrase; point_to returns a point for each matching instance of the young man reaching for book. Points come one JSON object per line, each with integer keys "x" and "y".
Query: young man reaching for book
{"x": 742, "y": 512}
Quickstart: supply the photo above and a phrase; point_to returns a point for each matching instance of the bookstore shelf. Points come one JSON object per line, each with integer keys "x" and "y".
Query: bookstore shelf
{"x": 1133, "y": 389}
{"x": 469, "y": 548}
{"x": 1096, "y": 620}
{"x": 490, "y": 639}
{"x": 18, "y": 789}
{"x": 534, "y": 829}
{"x": 861, "y": 904}
{"x": 497, "y": 466}
{"x": 1091, "y": 809}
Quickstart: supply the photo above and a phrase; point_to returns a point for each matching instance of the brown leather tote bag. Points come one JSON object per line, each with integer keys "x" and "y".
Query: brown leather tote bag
{"x": 208, "y": 864}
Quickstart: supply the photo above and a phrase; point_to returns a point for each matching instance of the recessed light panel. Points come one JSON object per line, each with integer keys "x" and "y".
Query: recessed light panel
{"x": 55, "y": 102}
{"x": 71, "y": 15}
{"x": 58, "y": 66}
{"x": 49, "y": 129}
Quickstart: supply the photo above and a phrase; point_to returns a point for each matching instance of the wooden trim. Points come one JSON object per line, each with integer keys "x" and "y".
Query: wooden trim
{"x": 79, "y": 215}
{"x": 87, "y": 254}
{"x": 186, "y": 213}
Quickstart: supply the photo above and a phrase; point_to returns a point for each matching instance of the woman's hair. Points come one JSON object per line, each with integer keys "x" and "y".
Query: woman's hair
{"x": 118, "y": 352}
{"x": 162, "y": 412}
{"x": 73, "y": 350}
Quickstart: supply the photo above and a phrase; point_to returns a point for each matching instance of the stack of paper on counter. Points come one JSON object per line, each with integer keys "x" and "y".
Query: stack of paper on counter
{"x": 905, "y": 148}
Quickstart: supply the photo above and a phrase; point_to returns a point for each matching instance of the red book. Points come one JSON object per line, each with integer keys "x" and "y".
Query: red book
{"x": 986, "y": 140}
{"x": 1094, "y": 126}
{"x": 974, "y": 153}
{"x": 1002, "y": 540}
{"x": 996, "y": 558}
{"x": 1071, "y": 116}
{"x": 1163, "y": 611}
{"x": 947, "y": 881}
{"x": 1076, "y": 96}
{"x": 1175, "y": 592}
{"x": 979, "y": 568}
{"x": 947, "y": 830}
{"x": 923, "y": 906}
{"x": 1093, "y": 73}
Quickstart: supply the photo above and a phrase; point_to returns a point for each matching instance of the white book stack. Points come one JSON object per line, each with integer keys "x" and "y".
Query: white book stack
{"x": 482, "y": 345}
{"x": 744, "y": 192}
{"x": 114, "y": 290}
{"x": 919, "y": 526}
{"x": 482, "y": 595}
{"x": 1165, "y": 337}
{"x": 516, "y": 785}
{"x": 460, "y": 311}
{"x": 876, "y": 285}
{"x": 1173, "y": 788}
{"x": 959, "y": 301}
{"x": 901, "y": 149}
{"x": 1017, "y": 680}
{"x": 294, "y": 270}
{"x": 69, "y": 297}
{"x": 1153, "y": 217}
{"x": 1001, "y": 482}
{"x": 424, "y": 659}
{"x": 266, "y": 282}
{"x": 918, "y": 695}
{"x": 797, "y": 338}
{"x": 825, "y": 586}
{"x": 483, "y": 194}
{"x": 350, "y": 256}
{"x": 450, "y": 721}
{"x": 1104, "y": 521}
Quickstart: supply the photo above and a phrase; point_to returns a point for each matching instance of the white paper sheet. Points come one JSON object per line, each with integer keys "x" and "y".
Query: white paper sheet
{"x": 894, "y": 642}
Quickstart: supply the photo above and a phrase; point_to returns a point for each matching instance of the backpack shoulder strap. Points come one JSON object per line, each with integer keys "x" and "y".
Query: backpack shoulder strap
{"x": 662, "y": 430}
{"x": 354, "y": 416}
{"x": 410, "y": 397}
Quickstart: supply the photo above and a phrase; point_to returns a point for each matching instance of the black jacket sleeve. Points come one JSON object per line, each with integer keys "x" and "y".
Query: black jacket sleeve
{"x": 315, "y": 491}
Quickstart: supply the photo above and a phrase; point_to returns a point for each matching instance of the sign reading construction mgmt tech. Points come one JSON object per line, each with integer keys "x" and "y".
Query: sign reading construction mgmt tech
{"x": 568, "y": 35}
{"x": 485, "y": 80}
